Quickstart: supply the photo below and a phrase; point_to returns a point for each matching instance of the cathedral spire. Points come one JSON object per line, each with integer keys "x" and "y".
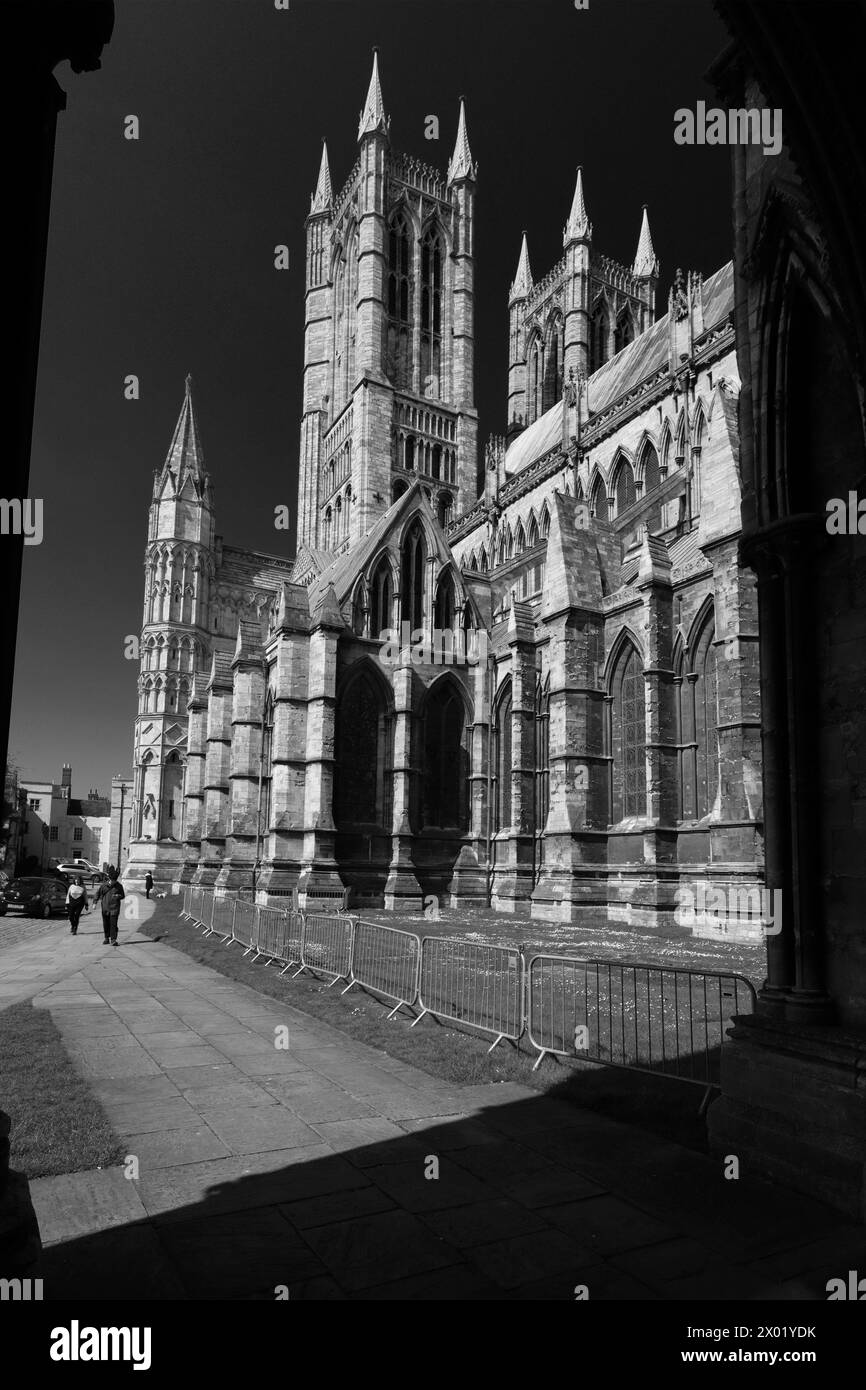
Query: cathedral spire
{"x": 460, "y": 165}
{"x": 578, "y": 227}
{"x": 323, "y": 196}
{"x": 373, "y": 116}
{"x": 185, "y": 454}
{"x": 522, "y": 283}
{"x": 646, "y": 260}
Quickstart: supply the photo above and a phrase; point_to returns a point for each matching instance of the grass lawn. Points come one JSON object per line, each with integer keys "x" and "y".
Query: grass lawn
{"x": 58, "y": 1126}
{"x": 661, "y": 1105}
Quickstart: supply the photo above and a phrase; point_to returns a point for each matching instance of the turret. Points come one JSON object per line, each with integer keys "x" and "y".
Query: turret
{"x": 577, "y": 240}
{"x": 646, "y": 268}
{"x": 520, "y": 287}
{"x": 462, "y": 173}
{"x": 318, "y": 348}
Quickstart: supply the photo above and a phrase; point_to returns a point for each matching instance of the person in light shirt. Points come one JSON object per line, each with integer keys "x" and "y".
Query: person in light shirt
{"x": 76, "y": 902}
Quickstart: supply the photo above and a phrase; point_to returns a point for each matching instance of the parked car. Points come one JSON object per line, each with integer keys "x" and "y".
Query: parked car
{"x": 34, "y": 897}
{"x": 72, "y": 868}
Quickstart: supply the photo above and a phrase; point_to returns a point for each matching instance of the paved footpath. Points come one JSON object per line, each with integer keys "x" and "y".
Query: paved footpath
{"x": 312, "y": 1169}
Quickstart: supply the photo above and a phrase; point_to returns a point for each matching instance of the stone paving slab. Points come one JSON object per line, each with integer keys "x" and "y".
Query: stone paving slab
{"x": 79, "y": 1204}
{"x": 310, "y": 1167}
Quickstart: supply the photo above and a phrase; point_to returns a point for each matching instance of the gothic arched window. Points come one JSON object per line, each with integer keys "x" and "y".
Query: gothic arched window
{"x": 359, "y": 610}
{"x": 535, "y": 383}
{"x": 380, "y": 599}
{"x": 554, "y": 351}
{"x": 628, "y": 737}
{"x": 542, "y": 764}
{"x": 598, "y": 500}
{"x": 363, "y": 756}
{"x": 412, "y": 563}
{"x": 624, "y": 489}
{"x": 444, "y": 611}
{"x": 699, "y": 432}
{"x": 445, "y": 504}
{"x": 400, "y": 301}
{"x": 697, "y": 724}
{"x": 445, "y": 787}
{"x": 624, "y": 331}
{"x": 502, "y": 760}
{"x": 431, "y": 312}
{"x": 651, "y": 481}
{"x": 599, "y": 333}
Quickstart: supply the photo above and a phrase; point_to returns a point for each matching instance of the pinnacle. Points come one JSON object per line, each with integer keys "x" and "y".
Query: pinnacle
{"x": 646, "y": 260}
{"x": 523, "y": 279}
{"x": 323, "y": 196}
{"x": 373, "y": 115}
{"x": 578, "y": 225}
{"x": 185, "y": 453}
{"x": 460, "y": 166}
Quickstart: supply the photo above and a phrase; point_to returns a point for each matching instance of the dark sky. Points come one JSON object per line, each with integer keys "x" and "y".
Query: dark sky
{"x": 160, "y": 262}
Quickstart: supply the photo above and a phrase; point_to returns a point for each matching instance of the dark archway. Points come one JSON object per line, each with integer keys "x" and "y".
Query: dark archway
{"x": 363, "y": 780}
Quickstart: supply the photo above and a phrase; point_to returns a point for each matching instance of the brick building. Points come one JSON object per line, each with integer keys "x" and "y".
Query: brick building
{"x": 595, "y": 743}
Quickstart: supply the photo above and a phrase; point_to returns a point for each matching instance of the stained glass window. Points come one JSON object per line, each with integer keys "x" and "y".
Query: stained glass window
{"x": 502, "y": 765}
{"x": 629, "y": 738}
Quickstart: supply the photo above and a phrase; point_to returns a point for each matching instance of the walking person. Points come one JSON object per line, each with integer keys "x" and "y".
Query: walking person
{"x": 76, "y": 902}
{"x": 148, "y": 883}
{"x": 110, "y": 896}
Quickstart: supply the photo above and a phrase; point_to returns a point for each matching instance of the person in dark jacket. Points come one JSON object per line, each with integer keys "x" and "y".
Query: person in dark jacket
{"x": 148, "y": 883}
{"x": 110, "y": 895}
{"x": 76, "y": 902}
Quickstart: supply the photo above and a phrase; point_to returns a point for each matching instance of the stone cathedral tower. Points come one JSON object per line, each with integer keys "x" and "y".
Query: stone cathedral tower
{"x": 389, "y": 337}
{"x": 179, "y": 574}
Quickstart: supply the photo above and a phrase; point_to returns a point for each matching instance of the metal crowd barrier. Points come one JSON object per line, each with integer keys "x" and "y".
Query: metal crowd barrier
{"x": 326, "y": 946}
{"x": 473, "y": 984}
{"x": 184, "y": 911}
{"x": 245, "y": 925}
{"x": 386, "y": 961}
{"x": 222, "y": 917}
{"x": 650, "y": 1018}
{"x": 205, "y": 911}
{"x": 276, "y": 937}
{"x": 665, "y": 1020}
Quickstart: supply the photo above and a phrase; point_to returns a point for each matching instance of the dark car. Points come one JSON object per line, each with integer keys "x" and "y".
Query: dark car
{"x": 34, "y": 897}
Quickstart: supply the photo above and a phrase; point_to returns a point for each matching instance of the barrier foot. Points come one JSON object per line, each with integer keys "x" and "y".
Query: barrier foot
{"x": 495, "y": 1043}
{"x": 247, "y": 951}
{"x": 419, "y": 1018}
{"x": 299, "y": 972}
{"x": 397, "y": 1007}
{"x": 228, "y": 941}
{"x": 287, "y": 966}
{"x": 335, "y": 982}
{"x": 540, "y": 1058}
{"x": 348, "y": 987}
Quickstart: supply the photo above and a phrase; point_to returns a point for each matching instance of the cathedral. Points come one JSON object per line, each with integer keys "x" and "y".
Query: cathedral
{"x": 524, "y": 676}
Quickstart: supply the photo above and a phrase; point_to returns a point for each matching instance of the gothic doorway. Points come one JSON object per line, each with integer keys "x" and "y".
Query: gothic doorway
{"x": 442, "y": 803}
{"x": 363, "y": 779}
